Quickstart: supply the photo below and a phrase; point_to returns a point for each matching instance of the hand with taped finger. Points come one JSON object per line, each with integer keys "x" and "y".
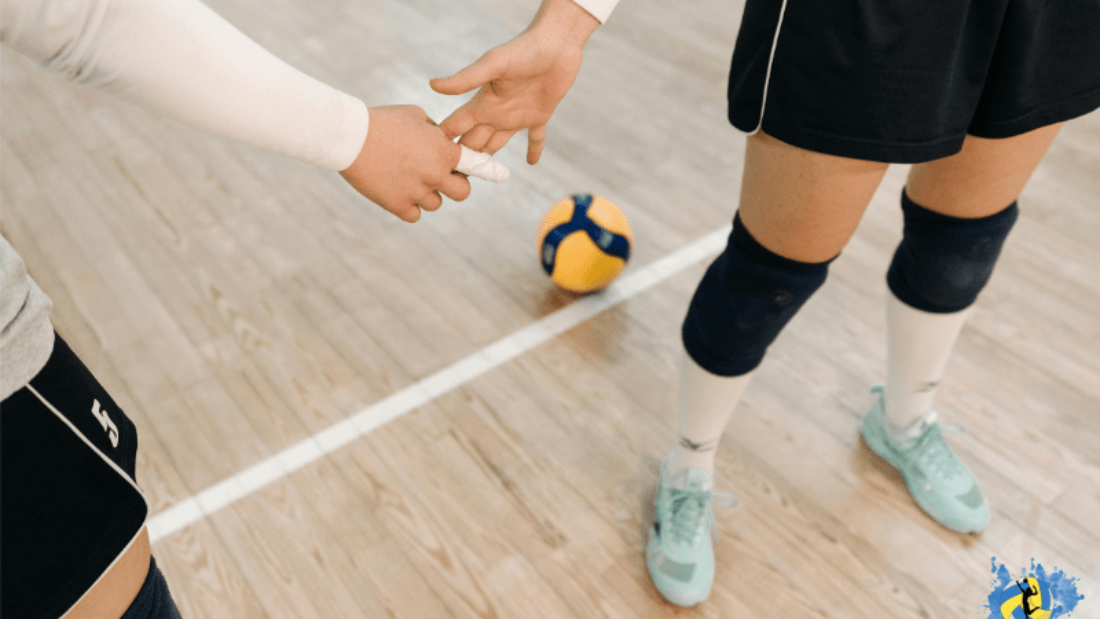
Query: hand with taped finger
{"x": 407, "y": 163}
{"x": 521, "y": 82}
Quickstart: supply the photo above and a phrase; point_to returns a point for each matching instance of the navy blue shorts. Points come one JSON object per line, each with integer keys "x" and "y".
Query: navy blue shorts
{"x": 904, "y": 82}
{"x": 70, "y": 501}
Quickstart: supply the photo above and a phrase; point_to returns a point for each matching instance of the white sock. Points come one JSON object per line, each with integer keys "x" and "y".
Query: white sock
{"x": 918, "y": 346}
{"x": 705, "y": 403}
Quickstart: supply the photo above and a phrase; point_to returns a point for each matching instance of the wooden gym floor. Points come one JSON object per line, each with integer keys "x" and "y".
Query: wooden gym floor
{"x": 237, "y": 304}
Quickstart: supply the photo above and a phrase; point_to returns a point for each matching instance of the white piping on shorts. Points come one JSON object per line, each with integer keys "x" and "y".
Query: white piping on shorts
{"x": 768, "y": 77}
{"x": 118, "y": 470}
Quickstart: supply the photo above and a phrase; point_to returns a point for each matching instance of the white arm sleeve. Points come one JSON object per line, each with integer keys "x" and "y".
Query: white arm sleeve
{"x": 600, "y": 9}
{"x": 180, "y": 59}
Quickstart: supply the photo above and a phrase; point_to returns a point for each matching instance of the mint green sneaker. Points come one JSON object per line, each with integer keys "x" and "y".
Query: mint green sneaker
{"x": 680, "y": 554}
{"x": 938, "y": 481}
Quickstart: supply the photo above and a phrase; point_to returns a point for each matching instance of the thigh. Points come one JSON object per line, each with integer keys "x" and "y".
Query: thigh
{"x": 986, "y": 176}
{"x": 801, "y": 204}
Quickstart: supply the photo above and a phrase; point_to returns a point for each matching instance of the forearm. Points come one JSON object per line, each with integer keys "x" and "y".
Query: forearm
{"x": 180, "y": 59}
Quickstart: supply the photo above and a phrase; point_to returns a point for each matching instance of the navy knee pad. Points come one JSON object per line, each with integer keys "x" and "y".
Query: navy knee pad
{"x": 745, "y": 299}
{"x": 943, "y": 262}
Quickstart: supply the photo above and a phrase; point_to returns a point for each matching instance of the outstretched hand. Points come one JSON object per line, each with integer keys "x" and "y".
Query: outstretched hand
{"x": 521, "y": 82}
{"x": 406, "y": 162}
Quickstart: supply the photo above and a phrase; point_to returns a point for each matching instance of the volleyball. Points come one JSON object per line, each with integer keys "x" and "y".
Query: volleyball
{"x": 584, "y": 242}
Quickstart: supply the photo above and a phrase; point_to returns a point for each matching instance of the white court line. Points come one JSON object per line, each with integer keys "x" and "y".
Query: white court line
{"x": 235, "y": 488}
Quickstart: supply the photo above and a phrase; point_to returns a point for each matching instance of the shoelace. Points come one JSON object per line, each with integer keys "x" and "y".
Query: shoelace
{"x": 939, "y": 461}
{"x": 688, "y": 508}
{"x": 937, "y": 457}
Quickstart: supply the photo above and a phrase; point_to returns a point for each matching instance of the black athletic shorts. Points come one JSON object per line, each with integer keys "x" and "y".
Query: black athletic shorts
{"x": 904, "y": 82}
{"x": 69, "y": 505}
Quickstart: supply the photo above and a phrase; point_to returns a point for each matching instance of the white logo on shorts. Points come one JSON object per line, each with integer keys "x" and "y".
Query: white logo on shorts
{"x": 108, "y": 426}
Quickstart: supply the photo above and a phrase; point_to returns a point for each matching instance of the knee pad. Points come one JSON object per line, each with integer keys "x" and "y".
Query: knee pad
{"x": 745, "y": 299}
{"x": 943, "y": 262}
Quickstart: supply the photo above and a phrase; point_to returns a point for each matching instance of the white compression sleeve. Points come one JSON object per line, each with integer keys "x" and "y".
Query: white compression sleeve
{"x": 705, "y": 403}
{"x": 180, "y": 59}
{"x": 600, "y": 9}
{"x": 919, "y": 345}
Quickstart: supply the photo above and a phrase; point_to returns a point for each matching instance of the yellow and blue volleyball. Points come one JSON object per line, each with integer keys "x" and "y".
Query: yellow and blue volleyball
{"x": 584, "y": 242}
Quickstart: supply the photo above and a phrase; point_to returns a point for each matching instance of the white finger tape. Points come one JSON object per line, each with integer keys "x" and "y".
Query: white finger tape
{"x": 481, "y": 165}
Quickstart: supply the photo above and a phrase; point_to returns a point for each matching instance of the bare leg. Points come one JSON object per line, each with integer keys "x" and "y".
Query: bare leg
{"x": 983, "y": 178}
{"x": 980, "y": 181}
{"x": 800, "y": 205}
{"x": 804, "y": 205}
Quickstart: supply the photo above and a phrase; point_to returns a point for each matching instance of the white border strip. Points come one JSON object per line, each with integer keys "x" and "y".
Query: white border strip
{"x": 768, "y": 77}
{"x": 235, "y": 488}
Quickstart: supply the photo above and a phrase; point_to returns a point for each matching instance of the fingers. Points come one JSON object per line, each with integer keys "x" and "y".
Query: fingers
{"x": 431, "y": 202}
{"x": 455, "y": 187}
{"x": 487, "y": 68}
{"x": 409, "y": 213}
{"x": 536, "y": 138}
{"x": 497, "y": 142}
{"x": 477, "y": 137}
{"x": 481, "y": 165}
{"x": 454, "y": 154}
{"x": 458, "y": 123}
{"x": 485, "y": 139}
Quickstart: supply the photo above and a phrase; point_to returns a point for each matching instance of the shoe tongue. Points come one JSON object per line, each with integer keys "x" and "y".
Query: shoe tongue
{"x": 912, "y": 433}
{"x": 692, "y": 480}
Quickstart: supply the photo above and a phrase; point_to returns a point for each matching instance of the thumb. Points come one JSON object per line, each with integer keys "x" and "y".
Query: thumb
{"x": 486, "y": 69}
